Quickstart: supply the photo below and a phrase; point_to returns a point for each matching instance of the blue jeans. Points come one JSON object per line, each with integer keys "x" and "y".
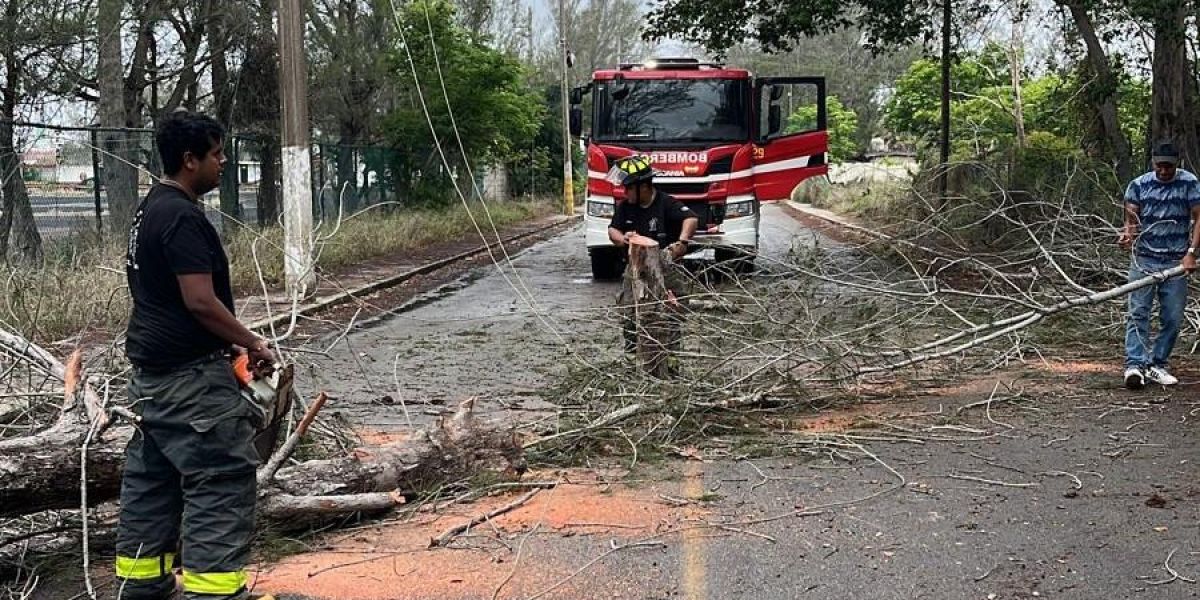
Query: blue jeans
{"x": 1172, "y": 299}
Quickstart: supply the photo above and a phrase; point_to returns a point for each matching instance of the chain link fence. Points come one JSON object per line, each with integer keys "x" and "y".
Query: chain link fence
{"x": 63, "y": 172}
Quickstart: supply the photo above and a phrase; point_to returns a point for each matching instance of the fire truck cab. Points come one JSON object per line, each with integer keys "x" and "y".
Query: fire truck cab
{"x": 719, "y": 140}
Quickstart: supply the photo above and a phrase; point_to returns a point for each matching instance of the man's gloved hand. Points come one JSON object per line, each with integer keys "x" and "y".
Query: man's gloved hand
{"x": 262, "y": 360}
{"x": 677, "y": 250}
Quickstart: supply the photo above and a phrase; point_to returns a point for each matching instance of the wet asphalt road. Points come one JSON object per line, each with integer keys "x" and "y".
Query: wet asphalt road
{"x": 1059, "y": 500}
{"x": 498, "y": 337}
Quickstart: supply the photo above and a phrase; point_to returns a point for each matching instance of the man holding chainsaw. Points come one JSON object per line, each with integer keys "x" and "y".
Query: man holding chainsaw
{"x": 190, "y": 469}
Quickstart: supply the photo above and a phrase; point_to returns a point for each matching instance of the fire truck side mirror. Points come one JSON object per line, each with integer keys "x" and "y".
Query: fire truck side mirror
{"x": 576, "y": 121}
{"x": 576, "y": 96}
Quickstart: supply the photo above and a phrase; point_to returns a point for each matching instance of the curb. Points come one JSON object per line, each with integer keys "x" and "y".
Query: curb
{"x": 832, "y": 219}
{"x": 381, "y": 284}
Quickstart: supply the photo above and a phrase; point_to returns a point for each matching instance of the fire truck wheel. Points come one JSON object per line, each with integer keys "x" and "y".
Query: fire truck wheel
{"x": 606, "y": 265}
{"x": 735, "y": 261}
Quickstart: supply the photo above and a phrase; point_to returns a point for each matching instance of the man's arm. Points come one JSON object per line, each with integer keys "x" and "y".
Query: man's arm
{"x": 615, "y": 234}
{"x": 689, "y": 228}
{"x": 1189, "y": 259}
{"x": 202, "y": 302}
{"x": 1130, "y": 231}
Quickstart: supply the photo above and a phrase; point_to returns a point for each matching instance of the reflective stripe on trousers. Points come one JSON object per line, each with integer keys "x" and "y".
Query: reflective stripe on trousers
{"x": 144, "y": 567}
{"x": 224, "y": 584}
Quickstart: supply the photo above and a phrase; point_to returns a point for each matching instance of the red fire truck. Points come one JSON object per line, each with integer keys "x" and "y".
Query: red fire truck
{"x": 716, "y": 137}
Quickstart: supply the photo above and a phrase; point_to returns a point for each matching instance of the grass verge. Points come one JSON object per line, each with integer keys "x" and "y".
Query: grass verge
{"x": 79, "y": 289}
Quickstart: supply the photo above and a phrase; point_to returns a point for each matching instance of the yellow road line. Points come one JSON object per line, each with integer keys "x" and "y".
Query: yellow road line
{"x": 693, "y": 565}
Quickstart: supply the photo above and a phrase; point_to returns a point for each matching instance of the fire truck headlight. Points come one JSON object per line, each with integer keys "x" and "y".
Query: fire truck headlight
{"x": 599, "y": 209}
{"x": 744, "y": 208}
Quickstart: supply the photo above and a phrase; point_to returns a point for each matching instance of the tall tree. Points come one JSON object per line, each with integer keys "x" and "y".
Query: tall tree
{"x": 719, "y": 26}
{"x": 37, "y": 38}
{"x": 1104, "y": 91}
{"x": 495, "y": 114}
{"x": 351, "y": 42}
{"x": 1174, "y": 85}
{"x": 259, "y": 114}
{"x": 120, "y": 172}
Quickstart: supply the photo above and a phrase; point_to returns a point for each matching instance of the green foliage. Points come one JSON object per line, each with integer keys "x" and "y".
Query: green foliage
{"x": 842, "y": 127}
{"x": 982, "y": 105}
{"x": 914, "y": 110}
{"x": 719, "y": 26}
{"x": 494, "y": 113}
{"x": 1041, "y": 164}
{"x": 536, "y": 169}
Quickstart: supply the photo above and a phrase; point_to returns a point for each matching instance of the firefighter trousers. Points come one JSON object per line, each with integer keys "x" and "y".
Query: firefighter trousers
{"x": 188, "y": 486}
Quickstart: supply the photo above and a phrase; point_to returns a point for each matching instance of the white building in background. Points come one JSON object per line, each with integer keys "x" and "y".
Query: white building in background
{"x": 249, "y": 171}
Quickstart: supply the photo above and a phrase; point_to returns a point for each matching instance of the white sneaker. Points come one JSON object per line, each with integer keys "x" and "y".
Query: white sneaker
{"x": 1161, "y": 376}
{"x": 1135, "y": 378}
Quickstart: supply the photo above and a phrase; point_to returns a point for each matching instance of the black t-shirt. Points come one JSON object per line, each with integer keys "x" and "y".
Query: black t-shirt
{"x": 170, "y": 237}
{"x": 662, "y": 220}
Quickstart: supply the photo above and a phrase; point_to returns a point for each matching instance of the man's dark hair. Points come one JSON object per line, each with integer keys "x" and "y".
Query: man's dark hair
{"x": 184, "y": 131}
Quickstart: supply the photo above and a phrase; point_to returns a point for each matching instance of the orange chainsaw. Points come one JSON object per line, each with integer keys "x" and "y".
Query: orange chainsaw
{"x": 270, "y": 399}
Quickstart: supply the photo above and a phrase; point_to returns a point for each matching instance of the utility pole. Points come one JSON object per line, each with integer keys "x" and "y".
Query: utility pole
{"x": 568, "y": 181}
{"x": 297, "y": 163}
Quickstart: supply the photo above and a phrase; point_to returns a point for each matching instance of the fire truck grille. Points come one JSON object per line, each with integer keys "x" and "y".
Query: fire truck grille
{"x": 681, "y": 188}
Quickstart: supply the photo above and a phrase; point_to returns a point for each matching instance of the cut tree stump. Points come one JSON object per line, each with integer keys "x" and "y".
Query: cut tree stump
{"x": 648, "y": 307}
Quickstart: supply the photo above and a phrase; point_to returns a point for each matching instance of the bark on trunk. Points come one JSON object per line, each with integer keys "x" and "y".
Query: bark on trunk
{"x": 1173, "y": 88}
{"x": 19, "y": 237}
{"x": 223, "y": 97}
{"x": 648, "y": 306}
{"x": 1106, "y": 83}
{"x": 346, "y": 190}
{"x": 268, "y": 185}
{"x": 34, "y": 470}
{"x": 120, "y": 176}
{"x": 1016, "y": 60}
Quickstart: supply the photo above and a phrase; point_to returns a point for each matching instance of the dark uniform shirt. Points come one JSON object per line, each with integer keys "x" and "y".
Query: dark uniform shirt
{"x": 170, "y": 237}
{"x": 662, "y": 220}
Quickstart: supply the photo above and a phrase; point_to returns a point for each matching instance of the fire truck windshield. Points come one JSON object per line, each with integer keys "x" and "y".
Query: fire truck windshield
{"x": 669, "y": 111}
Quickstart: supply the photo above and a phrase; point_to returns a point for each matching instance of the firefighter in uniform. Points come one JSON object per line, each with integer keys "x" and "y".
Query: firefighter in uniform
{"x": 189, "y": 480}
{"x": 649, "y": 212}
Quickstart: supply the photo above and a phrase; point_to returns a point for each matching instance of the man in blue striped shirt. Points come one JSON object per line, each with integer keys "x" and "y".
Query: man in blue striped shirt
{"x": 1162, "y": 227}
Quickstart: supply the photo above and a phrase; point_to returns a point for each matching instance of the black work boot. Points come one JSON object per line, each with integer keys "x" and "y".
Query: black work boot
{"x": 159, "y": 588}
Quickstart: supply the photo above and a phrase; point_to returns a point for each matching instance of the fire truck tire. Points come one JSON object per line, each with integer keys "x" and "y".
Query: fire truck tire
{"x": 606, "y": 265}
{"x": 735, "y": 261}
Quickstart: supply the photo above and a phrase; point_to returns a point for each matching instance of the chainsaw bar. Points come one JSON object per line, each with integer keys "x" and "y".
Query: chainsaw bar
{"x": 266, "y": 439}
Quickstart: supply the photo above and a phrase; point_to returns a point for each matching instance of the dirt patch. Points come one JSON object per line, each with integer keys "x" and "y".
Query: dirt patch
{"x": 594, "y": 508}
{"x": 394, "y": 562}
{"x": 836, "y": 421}
{"x": 1073, "y": 367}
{"x": 381, "y": 438}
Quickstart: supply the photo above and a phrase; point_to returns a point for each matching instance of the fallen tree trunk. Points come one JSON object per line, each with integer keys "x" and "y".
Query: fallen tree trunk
{"x": 41, "y": 472}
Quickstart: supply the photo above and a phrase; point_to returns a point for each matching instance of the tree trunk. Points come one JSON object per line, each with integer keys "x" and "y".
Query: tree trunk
{"x": 1173, "y": 88}
{"x": 1016, "y": 60}
{"x": 268, "y": 185}
{"x": 120, "y": 175}
{"x": 346, "y": 190}
{"x": 648, "y": 307}
{"x": 223, "y": 95}
{"x": 18, "y": 231}
{"x": 1106, "y": 83}
{"x": 35, "y": 469}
